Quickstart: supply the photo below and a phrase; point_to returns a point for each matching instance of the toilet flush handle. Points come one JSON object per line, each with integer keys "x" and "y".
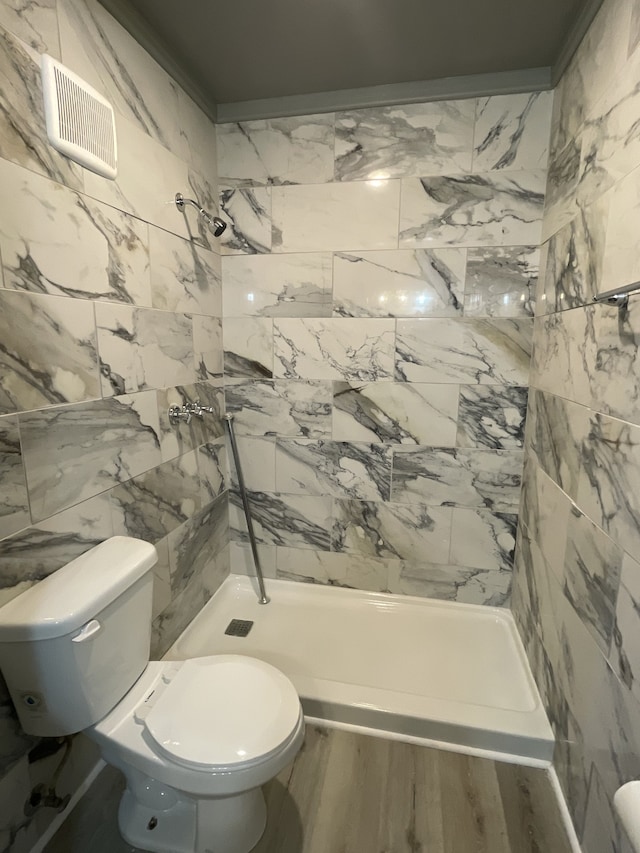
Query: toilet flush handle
{"x": 87, "y": 631}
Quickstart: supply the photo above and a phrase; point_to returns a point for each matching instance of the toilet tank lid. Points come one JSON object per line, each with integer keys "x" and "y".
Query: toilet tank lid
{"x": 76, "y": 593}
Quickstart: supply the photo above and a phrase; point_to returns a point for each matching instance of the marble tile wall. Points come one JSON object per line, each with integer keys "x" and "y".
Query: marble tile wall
{"x": 576, "y": 587}
{"x": 110, "y": 311}
{"x": 379, "y": 278}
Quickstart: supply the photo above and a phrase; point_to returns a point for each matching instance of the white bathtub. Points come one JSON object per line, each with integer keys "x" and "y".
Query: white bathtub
{"x": 447, "y": 674}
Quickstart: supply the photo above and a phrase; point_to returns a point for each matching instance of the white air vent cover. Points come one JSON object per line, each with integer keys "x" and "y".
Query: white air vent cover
{"x": 80, "y": 122}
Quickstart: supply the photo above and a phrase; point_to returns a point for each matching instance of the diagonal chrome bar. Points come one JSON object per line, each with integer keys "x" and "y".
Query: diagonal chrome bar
{"x": 619, "y": 295}
{"x": 263, "y": 599}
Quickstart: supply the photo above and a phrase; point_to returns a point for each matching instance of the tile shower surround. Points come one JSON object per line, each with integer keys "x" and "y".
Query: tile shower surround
{"x": 379, "y": 278}
{"x": 576, "y": 594}
{"x": 110, "y": 311}
{"x": 378, "y": 270}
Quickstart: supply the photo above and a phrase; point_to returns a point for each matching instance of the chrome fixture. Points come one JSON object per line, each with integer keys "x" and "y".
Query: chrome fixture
{"x": 188, "y": 411}
{"x": 214, "y": 222}
{"x": 619, "y": 296}
{"x": 263, "y": 598}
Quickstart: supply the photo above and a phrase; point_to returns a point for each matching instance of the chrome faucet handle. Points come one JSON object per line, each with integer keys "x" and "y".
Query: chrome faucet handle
{"x": 177, "y": 414}
{"x": 201, "y": 410}
{"x": 194, "y": 409}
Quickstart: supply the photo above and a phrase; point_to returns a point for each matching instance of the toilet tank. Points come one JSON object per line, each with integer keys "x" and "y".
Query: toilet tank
{"x": 73, "y": 645}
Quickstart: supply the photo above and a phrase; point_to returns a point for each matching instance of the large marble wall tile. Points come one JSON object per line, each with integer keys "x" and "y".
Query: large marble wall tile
{"x": 546, "y": 512}
{"x": 257, "y": 461}
{"x": 556, "y": 430}
{"x": 391, "y": 530}
{"x": 161, "y": 579}
{"x": 343, "y": 469}
{"x": 567, "y": 114}
{"x": 333, "y": 349}
{"x": 154, "y": 503}
{"x": 47, "y": 352}
{"x": 36, "y": 24}
{"x": 288, "y": 150}
{"x": 563, "y": 178}
{"x": 176, "y": 439}
{"x": 198, "y": 136}
{"x": 74, "y": 452}
{"x": 17, "y": 834}
{"x": 30, "y": 555}
{"x": 634, "y": 30}
{"x": 397, "y": 412}
{"x": 213, "y": 469}
{"x": 339, "y": 217}
{"x": 14, "y": 502}
{"x": 404, "y": 141}
{"x": 451, "y": 583}
{"x": 281, "y": 408}
{"x": 598, "y": 60}
{"x": 482, "y": 539}
{"x": 494, "y": 209}
{"x": 55, "y": 241}
{"x": 603, "y": 832}
{"x": 142, "y": 349}
{"x": 23, "y": 137}
{"x": 248, "y": 348}
{"x": 247, "y": 213}
{"x": 184, "y": 276}
{"x": 573, "y": 261}
{"x": 277, "y": 285}
{"x": 146, "y": 191}
{"x": 591, "y": 576}
{"x": 399, "y": 283}
{"x": 581, "y": 355}
{"x": 207, "y": 347}
{"x": 625, "y": 650}
{"x": 606, "y": 714}
{"x": 611, "y": 147}
{"x": 242, "y": 562}
{"x": 512, "y": 132}
{"x": 295, "y": 521}
{"x": 484, "y": 352}
{"x": 491, "y": 416}
{"x": 609, "y": 479}
{"x": 195, "y": 547}
{"x": 620, "y": 264}
{"x": 457, "y": 477}
{"x": 501, "y": 282}
{"x": 103, "y": 53}
{"x": 326, "y": 567}
{"x": 186, "y": 605}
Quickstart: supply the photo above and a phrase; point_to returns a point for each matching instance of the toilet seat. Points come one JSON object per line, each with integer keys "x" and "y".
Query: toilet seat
{"x": 221, "y": 713}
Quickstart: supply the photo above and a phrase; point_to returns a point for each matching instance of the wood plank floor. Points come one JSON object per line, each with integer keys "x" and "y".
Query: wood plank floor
{"x": 348, "y": 793}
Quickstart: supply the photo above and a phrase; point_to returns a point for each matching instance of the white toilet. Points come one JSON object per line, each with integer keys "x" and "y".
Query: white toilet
{"x": 195, "y": 739}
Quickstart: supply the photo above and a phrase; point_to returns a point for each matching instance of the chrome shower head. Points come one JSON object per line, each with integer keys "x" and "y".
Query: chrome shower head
{"x": 214, "y": 222}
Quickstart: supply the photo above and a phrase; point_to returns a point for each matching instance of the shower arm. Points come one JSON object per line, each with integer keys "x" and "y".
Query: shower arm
{"x": 218, "y": 225}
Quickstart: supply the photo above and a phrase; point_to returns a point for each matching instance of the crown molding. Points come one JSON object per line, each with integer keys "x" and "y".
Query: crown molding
{"x": 445, "y": 88}
{"x": 574, "y": 37}
{"x": 142, "y": 31}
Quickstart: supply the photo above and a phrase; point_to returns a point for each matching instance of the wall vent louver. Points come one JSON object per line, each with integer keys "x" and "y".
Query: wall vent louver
{"x": 80, "y": 122}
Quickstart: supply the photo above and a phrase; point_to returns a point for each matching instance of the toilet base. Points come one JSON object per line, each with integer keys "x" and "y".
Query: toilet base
{"x": 188, "y": 825}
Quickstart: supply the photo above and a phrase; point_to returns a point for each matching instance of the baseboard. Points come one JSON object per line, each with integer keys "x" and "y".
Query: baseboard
{"x": 564, "y": 811}
{"x": 77, "y": 795}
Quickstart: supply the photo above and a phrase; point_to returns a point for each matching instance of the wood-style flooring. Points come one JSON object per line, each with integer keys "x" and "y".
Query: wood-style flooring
{"x": 349, "y": 793}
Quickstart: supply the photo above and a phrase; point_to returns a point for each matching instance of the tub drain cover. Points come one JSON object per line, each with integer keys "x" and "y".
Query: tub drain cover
{"x": 239, "y": 627}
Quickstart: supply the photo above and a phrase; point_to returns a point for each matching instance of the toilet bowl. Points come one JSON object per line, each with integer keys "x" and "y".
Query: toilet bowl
{"x": 195, "y": 739}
